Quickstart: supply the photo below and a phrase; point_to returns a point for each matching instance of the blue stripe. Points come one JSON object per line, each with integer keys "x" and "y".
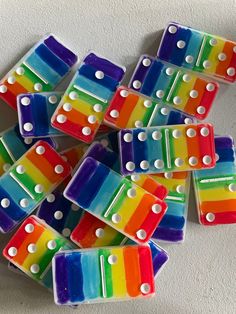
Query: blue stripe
{"x": 75, "y": 277}
{"x": 226, "y": 154}
{"x": 171, "y": 221}
{"x": 140, "y": 150}
{"x": 151, "y": 78}
{"x": 40, "y": 115}
{"x": 162, "y": 82}
{"x": 193, "y": 47}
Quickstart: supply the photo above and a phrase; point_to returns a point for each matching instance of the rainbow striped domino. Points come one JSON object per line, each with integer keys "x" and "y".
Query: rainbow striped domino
{"x": 85, "y": 101}
{"x": 115, "y": 200}
{"x": 129, "y": 109}
{"x": 32, "y": 248}
{"x": 32, "y": 177}
{"x": 167, "y": 148}
{"x": 105, "y": 274}
{"x": 215, "y": 188}
{"x": 40, "y": 70}
{"x": 199, "y": 51}
{"x": 174, "y": 86}
{"x": 13, "y": 146}
{"x": 34, "y": 114}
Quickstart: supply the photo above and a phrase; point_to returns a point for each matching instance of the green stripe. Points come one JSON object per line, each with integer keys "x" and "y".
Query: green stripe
{"x": 171, "y": 148}
{"x": 212, "y": 185}
{"x": 148, "y": 113}
{"x": 175, "y": 194}
{"x": 4, "y": 155}
{"x": 176, "y": 89}
{"x": 170, "y": 85}
{"x": 205, "y": 54}
{"x": 107, "y": 271}
{"x": 117, "y": 239}
{"x": 35, "y": 79}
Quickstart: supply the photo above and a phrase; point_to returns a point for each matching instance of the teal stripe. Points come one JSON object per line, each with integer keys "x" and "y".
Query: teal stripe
{"x": 154, "y": 149}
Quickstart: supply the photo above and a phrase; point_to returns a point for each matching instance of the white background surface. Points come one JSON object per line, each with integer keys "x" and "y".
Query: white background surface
{"x": 200, "y": 276}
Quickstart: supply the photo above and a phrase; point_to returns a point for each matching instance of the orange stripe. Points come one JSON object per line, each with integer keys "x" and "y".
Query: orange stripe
{"x": 150, "y": 185}
{"x": 175, "y": 175}
{"x": 132, "y": 271}
{"x": 223, "y": 65}
{"x": 126, "y": 110}
{"x": 193, "y": 145}
{"x": 15, "y": 88}
{"x": 218, "y": 206}
{"x": 193, "y": 103}
{"x": 90, "y": 237}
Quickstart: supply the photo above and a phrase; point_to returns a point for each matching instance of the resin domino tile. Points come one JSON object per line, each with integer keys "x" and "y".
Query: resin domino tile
{"x": 115, "y": 200}
{"x": 40, "y": 70}
{"x": 173, "y": 225}
{"x": 199, "y": 51}
{"x": 25, "y": 185}
{"x": 32, "y": 248}
{"x": 183, "y": 90}
{"x": 129, "y": 109}
{"x": 105, "y": 274}
{"x": 34, "y": 113}
{"x": 167, "y": 149}
{"x": 13, "y": 146}
{"x": 85, "y": 101}
{"x": 215, "y": 188}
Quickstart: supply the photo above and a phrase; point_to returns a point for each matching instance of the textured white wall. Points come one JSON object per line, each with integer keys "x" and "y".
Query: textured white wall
{"x": 200, "y": 277}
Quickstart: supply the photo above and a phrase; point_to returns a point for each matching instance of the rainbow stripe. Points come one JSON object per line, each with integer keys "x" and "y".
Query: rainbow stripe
{"x": 129, "y": 109}
{"x": 199, "y": 51}
{"x": 85, "y": 101}
{"x": 115, "y": 200}
{"x": 96, "y": 275}
{"x": 34, "y": 113}
{"x": 216, "y": 188}
{"x": 174, "y": 86}
{"x": 39, "y": 171}
{"x": 173, "y": 224}
{"x": 32, "y": 248}
{"x": 167, "y": 149}
{"x": 41, "y": 69}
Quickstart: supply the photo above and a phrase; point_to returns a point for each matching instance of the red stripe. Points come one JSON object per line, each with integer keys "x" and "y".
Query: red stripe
{"x": 206, "y": 144}
{"x": 146, "y": 268}
{"x": 220, "y": 218}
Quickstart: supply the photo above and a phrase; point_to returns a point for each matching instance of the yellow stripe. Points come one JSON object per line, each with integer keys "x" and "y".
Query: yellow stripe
{"x": 25, "y": 82}
{"x": 213, "y": 56}
{"x": 109, "y": 235}
{"x": 137, "y": 114}
{"x": 180, "y": 148}
{"x": 118, "y": 274}
{"x": 142, "y": 179}
{"x": 184, "y": 91}
{"x": 216, "y": 194}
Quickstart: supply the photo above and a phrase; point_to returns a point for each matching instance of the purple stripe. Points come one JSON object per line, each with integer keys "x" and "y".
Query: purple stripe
{"x": 170, "y": 235}
{"x": 61, "y": 279}
{"x": 140, "y": 72}
{"x": 6, "y": 222}
{"x": 167, "y": 43}
{"x": 223, "y": 142}
{"x": 126, "y": 151}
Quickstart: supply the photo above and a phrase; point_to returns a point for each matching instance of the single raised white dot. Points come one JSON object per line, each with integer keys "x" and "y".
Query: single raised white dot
{"x": 6, "y": 167}
{"x": 147, "y": 103}
{"x": 58, "y": 215}
{"x": 112, "y": 259}
{"x": 86, "y": 130}
{"x": 12, "y": 251}
{"x": 231, "y": 71}
{"x": 213, "y": 41}
{"x": 217, "y": 156}
{"x": 142, "y": 136}
{"x": 128, "y": 137}
{"x": 66, "y": 232}
{"x": 180, "y": 189}
{"x": 25, "y": 101}
{"x": 141, "y": 234}
{"x": 38, "y": 87}
{"x": 138, "y": 124}
{"x": 73, "y": 95}
{"x": 179, "y": 162}
{"x": 5, "y": 202}
{"x": 61, "y": 118}
{"x": 28, "y": 141}
{"x": 172, "y": 29}
{"x": 137, "y": 84}
{"x": 204, "y": 131}
{"x": 201, "y": 109}
{"x": 59, "y": 169}
{"x": 24, "y": 202}
{"x": 191, "y": 132}
{"x": 40, "y": 150}
{"x": 159, "y": 164}
{"x": 52, "y": 99}
{"x": 130, "y": 166}
{"x": 232, "y": 187}
{"x": 131, "y": 193}
{"x": 176, "y": 133}
{"x": 97, "y": 108}
{"x": 99, "y": 75}
{"x": 188, "y": 121}
{"x": 145, "y": 288}
{"x": 3, "y": 89}
{"x": 210, "y": 87}
{"x": 20, "y": 71}
{"x": 38, "y": 188}
{"x": 160, "y": 93}
{"x": 193, "y": 93}
{"x": 146, "y": 62}
{"x": 210, "y": 217}
{"x": 11, "y": 80}
{"x": 99, "y": 233}
{"x": 114, "y": 113}
{"x": 169, "y": 71}
{"x": 124, "y": 93}
{"x": 181, "y": 44}
{"x": 92, "y": 119}
{"x": 156, "y": 208}
{"x": 177, "y": 100}
{"x": 29, "y": 228}
{"x": 116, "y": 218}
{"x": 20, "y": 169}
{"x": 193, "y": 161}
{"x": 144, "y": 164}
{"x": 186, "y": 78}
{"x": 28, "y": 126}
{"x": 135, "y": 177}
{"x": 51, "y": 245}
{"x": 207, "y": 160}
{"x": 168, "y": 175}
{"x": 189, "y": 59}
{"x": 206, "y": 64}
{"x": 67, "y": 106}
{"x": 156, "y": 135}
{"x": 164, "y": 111}
{"x": 34, "y": 268}
{"x": 74, "y": 207}
{"x": 222, "y": 56}
{"x": 32, "y": 248}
